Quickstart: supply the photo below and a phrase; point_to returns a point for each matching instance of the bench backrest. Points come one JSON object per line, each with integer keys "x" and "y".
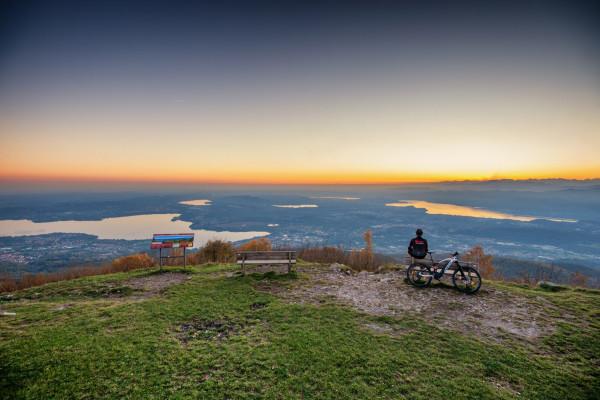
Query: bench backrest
{"x": 266, "y": 255}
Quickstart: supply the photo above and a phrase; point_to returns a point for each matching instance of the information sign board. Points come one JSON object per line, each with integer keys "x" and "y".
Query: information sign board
{"x": 172, "y": 240}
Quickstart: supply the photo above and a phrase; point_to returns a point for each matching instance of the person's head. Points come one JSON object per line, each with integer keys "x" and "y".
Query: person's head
{"x": 419, "y": 232}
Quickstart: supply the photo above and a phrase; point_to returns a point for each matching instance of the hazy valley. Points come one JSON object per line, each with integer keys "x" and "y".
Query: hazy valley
{"x": 565, "y": 228}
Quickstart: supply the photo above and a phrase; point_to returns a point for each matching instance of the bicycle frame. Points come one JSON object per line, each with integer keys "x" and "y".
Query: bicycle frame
{"x": 466, "y": 279}
{"x": 449, "y": 260}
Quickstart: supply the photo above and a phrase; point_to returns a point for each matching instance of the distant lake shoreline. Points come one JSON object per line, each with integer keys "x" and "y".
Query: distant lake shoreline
{"x": 463, "y": 211}
{"x": 549, "y": 220}
{"x": 137, "y": 227}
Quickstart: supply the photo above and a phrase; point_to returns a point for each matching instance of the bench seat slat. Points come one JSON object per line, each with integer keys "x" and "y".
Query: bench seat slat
{"x": 266, "y": 261}
{"x": 275, "y": 254}
{"x": 266, "y": 258}
{"x": 279, "y": 261}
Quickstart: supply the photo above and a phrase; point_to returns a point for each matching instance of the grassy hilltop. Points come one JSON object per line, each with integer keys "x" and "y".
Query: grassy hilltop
{"x": 316, "y": 333}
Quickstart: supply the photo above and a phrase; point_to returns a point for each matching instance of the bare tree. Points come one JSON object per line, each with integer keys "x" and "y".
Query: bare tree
{"x": 483, "y": 261}
{"x": 579, "y": 280}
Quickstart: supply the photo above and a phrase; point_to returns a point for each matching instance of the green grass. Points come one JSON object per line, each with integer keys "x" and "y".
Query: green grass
{"x": 217, "y": 337}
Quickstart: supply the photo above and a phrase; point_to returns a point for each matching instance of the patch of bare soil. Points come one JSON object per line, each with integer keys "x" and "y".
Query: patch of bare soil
{"x": 489, "y": 314}
{"x": 154, "y": 285}
{"x": 206, "y": 330}
{"x": 61, "y": 307}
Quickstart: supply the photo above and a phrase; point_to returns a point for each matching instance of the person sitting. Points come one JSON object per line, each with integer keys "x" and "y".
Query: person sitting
{"x": 418, "y": 247}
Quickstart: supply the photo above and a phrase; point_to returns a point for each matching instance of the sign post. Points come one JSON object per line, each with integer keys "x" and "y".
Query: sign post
{"x": 172, "y": 241}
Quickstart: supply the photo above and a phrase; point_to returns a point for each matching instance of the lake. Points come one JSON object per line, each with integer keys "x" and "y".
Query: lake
{"x": 463, "y": 211}
{"x": 136, "y": 227}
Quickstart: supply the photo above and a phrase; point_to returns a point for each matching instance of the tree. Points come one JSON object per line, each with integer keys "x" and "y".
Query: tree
{"x": 363, "y": 259}
{"x": 483, "y": 261}
{"x": 368, "y": 250}
{"x": 579, "y": 280}
{"x": 217, "y": 250}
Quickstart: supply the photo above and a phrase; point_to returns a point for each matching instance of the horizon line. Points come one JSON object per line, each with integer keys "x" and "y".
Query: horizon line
{"x": 108, "y": 181}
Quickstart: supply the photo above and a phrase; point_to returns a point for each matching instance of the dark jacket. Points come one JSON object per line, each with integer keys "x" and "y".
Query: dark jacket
{"x": 417, "y": 243}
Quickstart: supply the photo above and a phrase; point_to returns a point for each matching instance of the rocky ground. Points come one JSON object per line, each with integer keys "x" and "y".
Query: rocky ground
{"x": 489, "y": 314}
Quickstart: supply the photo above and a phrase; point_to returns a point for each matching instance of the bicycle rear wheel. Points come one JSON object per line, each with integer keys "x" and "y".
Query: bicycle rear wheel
{"x": 469, "y": 281}
{"x": 415, "y": 273}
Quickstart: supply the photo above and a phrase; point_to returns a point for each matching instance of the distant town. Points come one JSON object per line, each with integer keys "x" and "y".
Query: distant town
{"x": 52, "y": 252}
{"x": 552, "y": 221}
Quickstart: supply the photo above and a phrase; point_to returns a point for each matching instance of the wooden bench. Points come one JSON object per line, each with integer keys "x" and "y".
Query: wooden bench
{"x": 266, "y": 258}
{"x": 427, "y": 261}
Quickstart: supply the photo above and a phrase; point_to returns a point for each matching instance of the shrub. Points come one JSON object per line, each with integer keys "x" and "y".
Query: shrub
{"x": 131, "y": 262}
{"x": 326, "y": 254}
{"x": 362, "y": 260}
{"x": 7, "y": 284}
{"x": 217, "y": 250}
{"x": 262, "y": 244}
{"x": 194, "y": 258}
{"x": 579, "y": 280}
{"x": 358, "y": 260}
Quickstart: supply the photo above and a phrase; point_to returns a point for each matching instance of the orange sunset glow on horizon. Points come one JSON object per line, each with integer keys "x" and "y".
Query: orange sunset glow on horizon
{"x": 293, "y": 179}
{"x": 372, "y": 95}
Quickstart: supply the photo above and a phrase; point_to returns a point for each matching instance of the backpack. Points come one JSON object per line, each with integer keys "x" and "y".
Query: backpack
{"x": 419, "y": 250}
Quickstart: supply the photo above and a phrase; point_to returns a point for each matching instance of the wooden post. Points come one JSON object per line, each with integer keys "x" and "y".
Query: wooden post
{"x": 160, "y": 257}
{"x": 289, "y": 262}
{"x": 184, "y": 258}
{"x": 243, "y": 263}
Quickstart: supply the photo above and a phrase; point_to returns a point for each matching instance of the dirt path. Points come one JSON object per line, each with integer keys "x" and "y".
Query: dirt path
{"x": 154, "y": 285}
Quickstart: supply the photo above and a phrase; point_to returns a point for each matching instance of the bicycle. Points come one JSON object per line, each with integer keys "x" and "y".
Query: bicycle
{"x": 466, "y": 279}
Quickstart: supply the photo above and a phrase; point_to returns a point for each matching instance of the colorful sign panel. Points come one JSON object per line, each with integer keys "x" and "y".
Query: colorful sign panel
{"x": 172, "y": 240}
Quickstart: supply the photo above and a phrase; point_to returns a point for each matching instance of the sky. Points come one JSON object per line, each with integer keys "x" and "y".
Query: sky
{"x": 298, "y": 92}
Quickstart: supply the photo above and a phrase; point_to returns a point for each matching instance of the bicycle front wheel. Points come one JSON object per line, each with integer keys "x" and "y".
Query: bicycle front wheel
{"x": 419, "y": 275}
{"x": 467, "y": 281}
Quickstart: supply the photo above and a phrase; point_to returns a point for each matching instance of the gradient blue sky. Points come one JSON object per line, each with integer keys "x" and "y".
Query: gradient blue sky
{"x": 299, "y": 92}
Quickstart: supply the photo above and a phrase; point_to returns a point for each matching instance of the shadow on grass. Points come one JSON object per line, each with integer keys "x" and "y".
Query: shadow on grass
{"x": 271, "y": 275}
{"x": 170, "y": 270}
{"x": 11, "y": 373}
